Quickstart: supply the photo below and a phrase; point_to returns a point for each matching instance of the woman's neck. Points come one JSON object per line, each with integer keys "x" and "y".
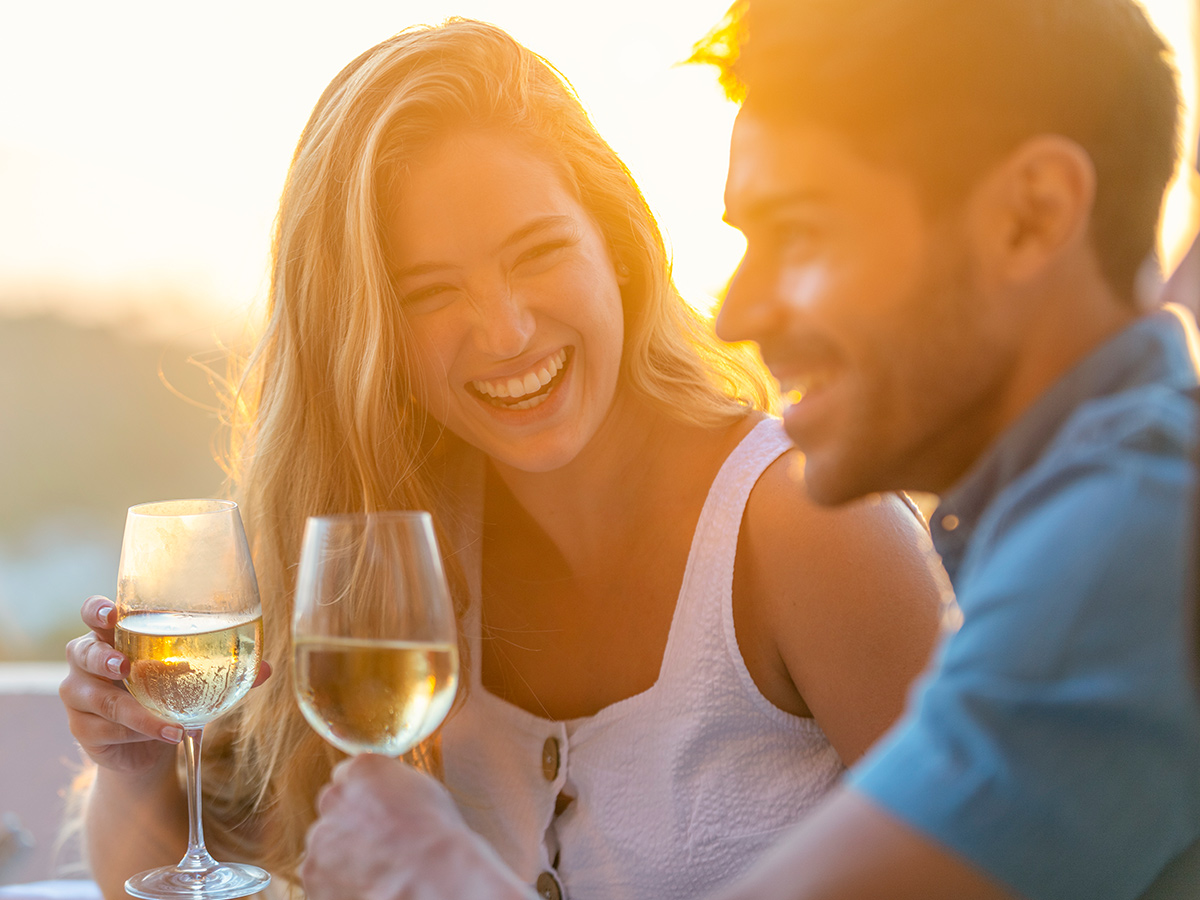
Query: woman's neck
{"x": 580, "y": 504}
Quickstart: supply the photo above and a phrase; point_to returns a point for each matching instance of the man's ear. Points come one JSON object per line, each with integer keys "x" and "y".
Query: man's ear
{"x": 1032, "y": 207}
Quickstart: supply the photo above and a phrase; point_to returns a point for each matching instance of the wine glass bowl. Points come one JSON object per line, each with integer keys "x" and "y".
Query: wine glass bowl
{"x": 190, "y": 622}
{"x": 374, "y": 633}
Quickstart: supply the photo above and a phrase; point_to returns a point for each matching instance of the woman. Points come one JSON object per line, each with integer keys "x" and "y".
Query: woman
{"x": 471, "y": 312}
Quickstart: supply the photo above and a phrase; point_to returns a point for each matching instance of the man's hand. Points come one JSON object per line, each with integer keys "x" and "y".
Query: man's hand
{"x": 388, "y": 832}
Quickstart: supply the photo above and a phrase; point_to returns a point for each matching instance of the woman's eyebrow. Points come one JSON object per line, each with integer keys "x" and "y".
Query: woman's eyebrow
{"x": 424, "y": 268}
{"x": 542, "y": 223}
{"x": 539, "y": 224}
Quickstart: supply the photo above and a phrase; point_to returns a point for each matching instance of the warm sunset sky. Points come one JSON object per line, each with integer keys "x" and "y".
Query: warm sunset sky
{"x": 143, "y": 144}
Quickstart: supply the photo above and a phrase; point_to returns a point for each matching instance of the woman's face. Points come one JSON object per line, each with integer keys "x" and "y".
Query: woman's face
{"x": 512, "y": 298}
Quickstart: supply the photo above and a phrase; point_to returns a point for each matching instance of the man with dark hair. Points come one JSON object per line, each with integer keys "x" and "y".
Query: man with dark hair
{"x": 946, "y": 203}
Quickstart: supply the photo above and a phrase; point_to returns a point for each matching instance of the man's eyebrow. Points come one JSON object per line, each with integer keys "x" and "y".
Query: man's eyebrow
{"x": 764, "y": 208}
{"x": 541, "y": 223}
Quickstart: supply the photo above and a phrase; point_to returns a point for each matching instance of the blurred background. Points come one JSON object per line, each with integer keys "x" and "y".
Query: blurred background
{"x": 143, "y": 146}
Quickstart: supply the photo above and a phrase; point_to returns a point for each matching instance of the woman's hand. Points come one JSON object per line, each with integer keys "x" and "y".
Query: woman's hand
{"x": 388, "y": 832}
{"x": 113, "y": 729}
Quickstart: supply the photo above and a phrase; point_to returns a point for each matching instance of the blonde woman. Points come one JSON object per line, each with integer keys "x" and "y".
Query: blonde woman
{"x": 670, "y": 653}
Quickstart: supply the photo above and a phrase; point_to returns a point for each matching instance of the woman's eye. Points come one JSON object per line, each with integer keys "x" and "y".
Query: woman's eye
{"x": 427, "y": 298}
{"x": 541, "y": 251}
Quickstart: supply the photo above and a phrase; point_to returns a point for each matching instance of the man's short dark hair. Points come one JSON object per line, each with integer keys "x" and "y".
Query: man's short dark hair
{"x": 945, "y": 88}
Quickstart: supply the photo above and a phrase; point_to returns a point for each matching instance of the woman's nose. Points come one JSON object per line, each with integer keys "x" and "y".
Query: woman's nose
{"x": 504, "y": 323}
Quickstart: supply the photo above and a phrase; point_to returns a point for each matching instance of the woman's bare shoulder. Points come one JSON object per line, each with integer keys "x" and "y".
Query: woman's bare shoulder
{"x": 784, "y": 519}
{"x": 849, "y": 597}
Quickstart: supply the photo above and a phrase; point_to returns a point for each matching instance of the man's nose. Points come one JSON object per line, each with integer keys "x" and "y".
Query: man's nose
{"x": 749, "y": 311}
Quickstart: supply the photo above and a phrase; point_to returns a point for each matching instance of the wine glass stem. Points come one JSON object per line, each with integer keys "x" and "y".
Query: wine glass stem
{"x": 197, "y": 858}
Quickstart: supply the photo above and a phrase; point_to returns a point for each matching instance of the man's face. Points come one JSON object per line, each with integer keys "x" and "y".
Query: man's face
{"x": 866, "y": 309}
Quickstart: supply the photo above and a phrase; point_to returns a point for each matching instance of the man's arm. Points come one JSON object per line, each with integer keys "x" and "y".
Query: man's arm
{"x": 850, "y": 849}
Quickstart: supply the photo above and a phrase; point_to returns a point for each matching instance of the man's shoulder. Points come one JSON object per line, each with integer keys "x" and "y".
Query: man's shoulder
{"x": 1129, "y": 455}
{"x": 1156, "y": 419}
{"x": 1103, "y": 514}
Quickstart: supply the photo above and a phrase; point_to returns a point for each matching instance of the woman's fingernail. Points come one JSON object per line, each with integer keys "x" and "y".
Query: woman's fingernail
{"x": 114, "y": 665}
{"x": 104, "y": 612}
{"x": 172, "y": 733}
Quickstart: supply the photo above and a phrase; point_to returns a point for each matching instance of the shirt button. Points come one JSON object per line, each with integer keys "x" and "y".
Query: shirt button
{"x": 549, "y": 887}
{"x": 950, "y": 522}
{"x": 550, "y": 758}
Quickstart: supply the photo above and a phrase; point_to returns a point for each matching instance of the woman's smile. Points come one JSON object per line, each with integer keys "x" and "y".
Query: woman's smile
{"x": 509, "y": 290}
{"x": 524, "y": 390}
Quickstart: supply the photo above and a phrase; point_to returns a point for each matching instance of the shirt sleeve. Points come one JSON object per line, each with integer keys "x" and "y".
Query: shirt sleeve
{"x": 1055, "y": 742}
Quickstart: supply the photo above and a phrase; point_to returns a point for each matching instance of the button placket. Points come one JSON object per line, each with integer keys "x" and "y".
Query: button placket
{"x": 551, "y": 758}
{"x": 549, "y": 887}
{"x": 553, "y": 765}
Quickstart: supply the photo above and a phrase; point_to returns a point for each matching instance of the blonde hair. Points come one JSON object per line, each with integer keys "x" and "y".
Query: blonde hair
{"x": 323, "y": 421}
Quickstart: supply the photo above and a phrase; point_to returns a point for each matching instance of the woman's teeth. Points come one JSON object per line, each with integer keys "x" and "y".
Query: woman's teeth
{"x": 523, "y": 391}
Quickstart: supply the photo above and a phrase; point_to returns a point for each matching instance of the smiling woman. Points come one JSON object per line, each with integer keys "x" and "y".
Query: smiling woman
{"x": 515, "y": 307}
{"x": 472, "y": 313}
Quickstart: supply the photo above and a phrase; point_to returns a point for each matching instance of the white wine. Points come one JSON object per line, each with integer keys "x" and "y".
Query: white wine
{"x": 373, "y": 696}
{"x": 188, "y": 668}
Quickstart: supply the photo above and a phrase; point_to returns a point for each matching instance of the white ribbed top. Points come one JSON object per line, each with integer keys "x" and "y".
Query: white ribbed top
{"x": 678, "y": 788}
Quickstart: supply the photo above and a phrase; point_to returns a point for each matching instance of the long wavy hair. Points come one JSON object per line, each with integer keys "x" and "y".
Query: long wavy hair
{"x": 323, "y": 421}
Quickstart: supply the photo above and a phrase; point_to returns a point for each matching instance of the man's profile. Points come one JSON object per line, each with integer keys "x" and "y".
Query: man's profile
{"x": 946, "y": 204}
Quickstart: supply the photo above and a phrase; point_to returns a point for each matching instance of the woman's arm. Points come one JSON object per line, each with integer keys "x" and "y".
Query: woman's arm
{"x": 836, "y": 609}
{"x": 135, "y": 817}
{"x": 134, "y": 822}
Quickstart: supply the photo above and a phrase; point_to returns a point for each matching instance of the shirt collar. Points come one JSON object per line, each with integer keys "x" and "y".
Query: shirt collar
{"x": 1158, "y": 347}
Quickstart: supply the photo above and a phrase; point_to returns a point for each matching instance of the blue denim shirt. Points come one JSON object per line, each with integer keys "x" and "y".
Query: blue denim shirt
{"x": 1055, "y": 740}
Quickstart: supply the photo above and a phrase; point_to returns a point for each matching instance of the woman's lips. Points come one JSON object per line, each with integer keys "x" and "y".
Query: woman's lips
{"x": 524, "y": 390}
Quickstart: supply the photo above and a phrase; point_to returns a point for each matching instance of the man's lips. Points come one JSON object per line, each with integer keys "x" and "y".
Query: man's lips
{"x": 795, "y": 384}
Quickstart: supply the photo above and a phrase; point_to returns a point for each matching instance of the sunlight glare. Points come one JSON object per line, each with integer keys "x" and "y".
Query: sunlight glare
{"x": 1176, "y": 21}
{"x": 142, "y": 170}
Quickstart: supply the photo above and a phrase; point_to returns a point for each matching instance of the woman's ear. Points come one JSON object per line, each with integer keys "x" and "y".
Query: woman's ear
{"x": 1032, "y": 208}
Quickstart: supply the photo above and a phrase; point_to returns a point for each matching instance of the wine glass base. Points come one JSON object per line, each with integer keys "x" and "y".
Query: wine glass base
{"x": 224, "y": 882}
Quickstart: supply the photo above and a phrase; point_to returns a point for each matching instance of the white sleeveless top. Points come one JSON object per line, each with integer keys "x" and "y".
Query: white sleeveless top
{"x": 676, "y": 789}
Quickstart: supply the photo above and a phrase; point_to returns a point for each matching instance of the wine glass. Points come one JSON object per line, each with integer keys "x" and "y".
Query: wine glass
{"x": 189, "y": 620}
{"x": 374, "y": 633}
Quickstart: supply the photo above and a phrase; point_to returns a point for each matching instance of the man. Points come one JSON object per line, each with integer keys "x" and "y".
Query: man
{"x": 946, "y": 203}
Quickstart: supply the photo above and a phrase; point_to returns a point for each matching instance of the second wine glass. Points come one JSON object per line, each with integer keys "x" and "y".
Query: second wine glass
{"x": 375, "y": 642}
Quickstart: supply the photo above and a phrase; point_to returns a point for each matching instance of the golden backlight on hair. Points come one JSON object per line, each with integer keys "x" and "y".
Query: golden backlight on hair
{"x": 1177, "y": 21}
